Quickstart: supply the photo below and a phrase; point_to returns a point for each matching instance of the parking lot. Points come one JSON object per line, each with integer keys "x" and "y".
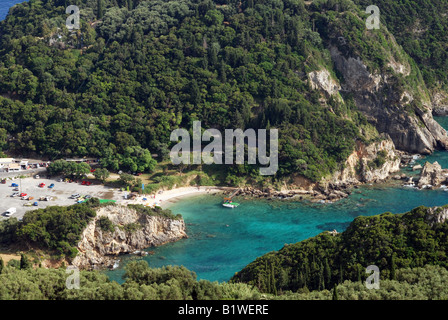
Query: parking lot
{"x": 60, "y": 193}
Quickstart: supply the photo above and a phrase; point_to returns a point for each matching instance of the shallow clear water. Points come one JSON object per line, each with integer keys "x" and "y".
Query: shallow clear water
{"x": 222, "y": 241}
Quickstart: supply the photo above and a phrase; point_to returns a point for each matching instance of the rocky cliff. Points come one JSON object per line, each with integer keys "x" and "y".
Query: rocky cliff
{"x": 440, "y": 103}
{"x": 405, "y": 115}
{"x": 437, "y": 215}
{"x": 368, "y": 163}
{"x": 132, "y": 230}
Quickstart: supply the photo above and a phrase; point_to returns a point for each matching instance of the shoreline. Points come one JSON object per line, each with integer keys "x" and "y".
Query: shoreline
{"x": 171, "y": 196}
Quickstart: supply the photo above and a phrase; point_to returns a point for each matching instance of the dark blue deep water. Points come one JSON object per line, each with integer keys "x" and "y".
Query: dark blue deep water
{"x": 5, "y": 5}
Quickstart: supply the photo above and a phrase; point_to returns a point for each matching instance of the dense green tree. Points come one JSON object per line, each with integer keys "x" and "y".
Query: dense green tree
{"x": 127, "y": 179}
{"x": 101, "y": 174}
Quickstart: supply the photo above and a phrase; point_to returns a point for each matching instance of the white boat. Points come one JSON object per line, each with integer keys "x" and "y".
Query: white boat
{"x": 231, "y": 205}
{"x": 228, "y": 203}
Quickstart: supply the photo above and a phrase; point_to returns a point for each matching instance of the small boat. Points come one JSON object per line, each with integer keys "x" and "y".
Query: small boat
{"x": 229, "y": 203}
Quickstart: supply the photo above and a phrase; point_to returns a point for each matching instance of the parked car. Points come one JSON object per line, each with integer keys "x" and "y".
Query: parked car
{"x": 86, "y": 183}
{"x": 23, "y": 194}
{"x": 15, "y": 194}
{"x": 25, "y": 198}
{"x": 75, "y": 196}
{"x": 10, "y": 212}
{"x": 35, "y": 204}
{"x": 3, "y": 181}
{"x": 15, "y": 189}
{"x": 28, "y": 204}
{"x": 51, "y": 186}
{"x": 14, "y": 185}
{"x": 41, "y": 185}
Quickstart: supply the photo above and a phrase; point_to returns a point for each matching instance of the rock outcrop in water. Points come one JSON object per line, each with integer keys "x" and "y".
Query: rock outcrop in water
{"x": 432, "y": 175}
{"x": 133, "y": 230}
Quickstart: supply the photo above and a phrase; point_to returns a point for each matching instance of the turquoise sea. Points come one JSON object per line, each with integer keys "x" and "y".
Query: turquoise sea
{"x": 222, "y": 241}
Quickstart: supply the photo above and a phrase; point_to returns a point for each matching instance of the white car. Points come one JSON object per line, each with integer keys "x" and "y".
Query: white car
{"x": 10, "y": 212}
{"x": 15, "y": 194}
{"x": 75, "y": 196}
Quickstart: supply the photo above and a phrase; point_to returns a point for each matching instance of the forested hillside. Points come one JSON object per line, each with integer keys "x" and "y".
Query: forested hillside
{"x": 136, "y": 70}
{"x": 18, "y": 281}
{"x": 420, "y": 27}
{"x": 389, "y": 241}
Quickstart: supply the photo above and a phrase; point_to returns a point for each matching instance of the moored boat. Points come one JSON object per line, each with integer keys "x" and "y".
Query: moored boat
{"x": 229, "y": 203}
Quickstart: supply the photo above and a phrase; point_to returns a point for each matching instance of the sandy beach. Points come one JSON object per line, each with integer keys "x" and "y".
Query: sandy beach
{"x": 170, "y": 196}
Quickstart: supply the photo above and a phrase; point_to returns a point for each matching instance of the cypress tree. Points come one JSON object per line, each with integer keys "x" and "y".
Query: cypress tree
{"x": 327, "y": 272}
{"x": 341, "y": 274}
{"x": 393, "y": 268}
{"x": 100, "y": 9}
{"x": 268, "y": 278}
{"x": 307, "y": 272}
{"x": 321, "y": 284}
{"x": 222, "y": 72}
{"x": 2, "y": 265}
{"x": 335, "y": 293}
{"x": 24, "y": 262}
{"x": 195, "y": 93}
{"x": 359, "y": 273}
{"x": 273, "y": 286}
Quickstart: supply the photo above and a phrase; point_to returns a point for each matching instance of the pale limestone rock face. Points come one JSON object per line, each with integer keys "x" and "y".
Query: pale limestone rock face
{"x": 437, "y": 215}
{"x": 357, "y": 167}
{"x": 99, "y": 248}
{"x": 387, "y": 110}
{"x": 399, "y": 67}
{"x": 440, "y": 103}
{"x": 322, "y": 80}
{"x": 432, "y": 174}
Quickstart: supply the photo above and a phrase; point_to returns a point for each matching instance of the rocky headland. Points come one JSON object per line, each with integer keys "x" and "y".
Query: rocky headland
{"x": 131, "y": 230}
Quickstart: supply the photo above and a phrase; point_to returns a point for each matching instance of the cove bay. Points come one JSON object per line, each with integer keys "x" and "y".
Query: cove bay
{"x": 222, "y": 241}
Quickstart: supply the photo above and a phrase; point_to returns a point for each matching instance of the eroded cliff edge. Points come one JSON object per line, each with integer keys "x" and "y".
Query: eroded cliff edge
{"x": 130, "y": 230}
{"x": 391, "y": 110}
